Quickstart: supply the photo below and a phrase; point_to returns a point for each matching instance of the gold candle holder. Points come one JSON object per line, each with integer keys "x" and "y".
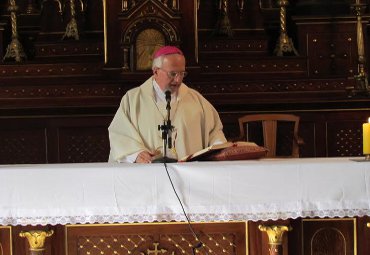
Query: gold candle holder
{"x": 361, "y": 87}
{"x": 72, "y": 27}
{"x": 223, "y": 26}
{"x": 284, "y": 44}
{"x": 15, "y": 49}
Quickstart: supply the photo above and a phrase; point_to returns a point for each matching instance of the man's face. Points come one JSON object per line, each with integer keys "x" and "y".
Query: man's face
{"x": 171, "y": 74}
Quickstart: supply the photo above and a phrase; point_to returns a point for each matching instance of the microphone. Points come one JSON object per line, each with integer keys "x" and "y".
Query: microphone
{"x": 168, "y": 99}
{"x": 166, "y": 132}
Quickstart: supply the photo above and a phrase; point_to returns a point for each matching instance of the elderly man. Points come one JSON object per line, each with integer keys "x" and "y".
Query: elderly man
{"x": 134, "y": 134}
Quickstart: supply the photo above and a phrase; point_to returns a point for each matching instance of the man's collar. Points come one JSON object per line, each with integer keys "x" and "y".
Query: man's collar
{"x": 160, "y": 95}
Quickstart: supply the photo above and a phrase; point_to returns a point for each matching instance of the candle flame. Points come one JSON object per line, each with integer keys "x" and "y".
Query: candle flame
{"x": 368, "y": 120}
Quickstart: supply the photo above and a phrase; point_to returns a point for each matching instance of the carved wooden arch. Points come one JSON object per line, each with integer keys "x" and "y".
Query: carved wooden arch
{"x": 323, "y": 239}
{"x": 130, "y": 35}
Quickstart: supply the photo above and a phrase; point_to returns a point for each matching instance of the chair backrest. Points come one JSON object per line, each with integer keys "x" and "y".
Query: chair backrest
{"x": 276, "y": 132}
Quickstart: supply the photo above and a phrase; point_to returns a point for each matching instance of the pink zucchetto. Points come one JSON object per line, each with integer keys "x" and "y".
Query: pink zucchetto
{"x": 167, "y": 50}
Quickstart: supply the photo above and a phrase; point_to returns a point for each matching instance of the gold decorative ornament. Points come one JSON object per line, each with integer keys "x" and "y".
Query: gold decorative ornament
{"x": 156, "y": 251}
{"x": 362, "y": 84}
{"x": 36, "y": 239}
{"x": 284, "y": 44}
{"x": 147, "y": 42}
{"x": 15, "y": 49}
{"x": 72, "y": 27}
{"x": 275, "y": 234}
{"x": 223, "y": 26}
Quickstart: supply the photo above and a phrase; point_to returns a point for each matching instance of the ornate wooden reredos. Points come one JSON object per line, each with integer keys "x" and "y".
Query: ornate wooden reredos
{"x": 65, "y": 64}
{"x": 144, "y": 28}
{"x": 146, "y": 25}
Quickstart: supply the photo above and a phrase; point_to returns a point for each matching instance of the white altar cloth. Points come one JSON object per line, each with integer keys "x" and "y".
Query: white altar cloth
{"x": 210, "y": 191}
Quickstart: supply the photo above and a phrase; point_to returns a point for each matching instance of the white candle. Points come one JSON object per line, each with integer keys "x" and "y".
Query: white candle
{"x": 366, "y": 137}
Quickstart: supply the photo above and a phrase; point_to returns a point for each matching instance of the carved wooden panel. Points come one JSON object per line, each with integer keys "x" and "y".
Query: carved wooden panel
{"x": 363, "y": 236}
{"x": 253, "y": 87}
{"x": 22, "y": 142}
{"x": 308, "y": 132}
{"x": 332, "y": 54}
{"x": 307, "y": 237}
{"x": 54, "y": 140}
{"x": 5, "y": 240}
{"x": 329, "y": 44}
{"x": 79, "y": 139}
{"x": 255, "y": 66}
{"x": 83, "y": 144}
{"x": 73, "y": 51}
{"x": 51, "y": 70}
{"x": 329, "y": 236}
{"x": 344, "y": 139}
{"x": 233, "y": 47}
{"x": 157, "y": 238}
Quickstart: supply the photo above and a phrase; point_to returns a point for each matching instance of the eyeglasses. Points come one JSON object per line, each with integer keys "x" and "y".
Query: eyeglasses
{"x": 174, "y": 74}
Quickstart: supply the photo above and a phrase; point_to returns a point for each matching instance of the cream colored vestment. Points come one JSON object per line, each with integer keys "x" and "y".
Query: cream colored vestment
{"x": 135, "y": 124}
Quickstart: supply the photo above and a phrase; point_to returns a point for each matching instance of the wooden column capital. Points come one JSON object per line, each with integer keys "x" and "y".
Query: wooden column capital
{"x": 275, "y": 234}
{"x": 36, "y": 240}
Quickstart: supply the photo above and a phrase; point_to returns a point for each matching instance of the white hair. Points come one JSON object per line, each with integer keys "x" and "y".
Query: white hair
{"x": 157, "y": 62}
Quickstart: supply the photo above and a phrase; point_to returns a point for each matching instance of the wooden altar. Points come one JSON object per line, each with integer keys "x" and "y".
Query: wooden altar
{"x": 308, "y": 206}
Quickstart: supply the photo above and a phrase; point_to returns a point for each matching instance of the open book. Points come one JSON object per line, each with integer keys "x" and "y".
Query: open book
{"x": 228, "y": 151}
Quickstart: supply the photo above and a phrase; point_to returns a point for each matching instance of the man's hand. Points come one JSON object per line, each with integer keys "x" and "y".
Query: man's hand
{"x": 144, "y": 157}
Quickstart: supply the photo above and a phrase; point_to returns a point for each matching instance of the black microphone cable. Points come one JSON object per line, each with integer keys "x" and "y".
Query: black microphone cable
{"x": 199, "y": 244}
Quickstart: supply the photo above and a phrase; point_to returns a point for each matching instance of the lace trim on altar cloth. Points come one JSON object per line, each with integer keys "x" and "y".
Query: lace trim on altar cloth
{"x": 202, "y": 217}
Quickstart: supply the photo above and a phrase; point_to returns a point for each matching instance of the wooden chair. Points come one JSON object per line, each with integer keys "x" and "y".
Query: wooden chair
{"x": 276, "y": 132}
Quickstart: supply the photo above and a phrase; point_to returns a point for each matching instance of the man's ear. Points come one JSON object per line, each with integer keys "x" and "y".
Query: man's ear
{"x": 155, "y": 71}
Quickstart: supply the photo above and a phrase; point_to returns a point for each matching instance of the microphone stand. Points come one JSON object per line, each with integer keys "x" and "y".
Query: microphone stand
{"x": 166, "y": 133}
{"x": 167, "y": 142}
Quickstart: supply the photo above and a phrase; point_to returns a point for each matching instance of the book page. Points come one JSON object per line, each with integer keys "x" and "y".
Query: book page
{"x": 214, "y": 148}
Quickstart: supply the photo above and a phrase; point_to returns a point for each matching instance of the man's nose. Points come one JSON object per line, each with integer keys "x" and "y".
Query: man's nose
{"x": 178, "y": 78}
